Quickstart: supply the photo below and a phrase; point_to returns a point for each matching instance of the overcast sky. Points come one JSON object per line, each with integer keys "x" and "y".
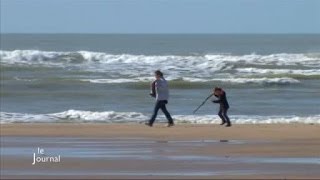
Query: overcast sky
{"x": 160, "y": 16}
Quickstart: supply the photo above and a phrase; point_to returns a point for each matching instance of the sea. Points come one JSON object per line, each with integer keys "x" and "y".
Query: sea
{"x": 105, "y": 78}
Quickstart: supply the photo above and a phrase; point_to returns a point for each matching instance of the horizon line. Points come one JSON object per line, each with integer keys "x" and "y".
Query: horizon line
{"x": 114, "y": 33}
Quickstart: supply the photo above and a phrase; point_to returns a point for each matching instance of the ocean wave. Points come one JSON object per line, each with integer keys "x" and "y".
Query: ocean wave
{"x": 244, "y": 119}
{"x": 118, "y": 81}
{"x": 210, "y": 62}
{"x": 76, "y": 116}
{"x": 279, "y": 81}
{"x": 173, "y": 81}
{"x": 274, "y": 69}
{"x": 305, "y": 72}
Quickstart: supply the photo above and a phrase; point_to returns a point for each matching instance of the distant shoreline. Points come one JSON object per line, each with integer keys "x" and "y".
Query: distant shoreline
{"x": 68, "y": 33}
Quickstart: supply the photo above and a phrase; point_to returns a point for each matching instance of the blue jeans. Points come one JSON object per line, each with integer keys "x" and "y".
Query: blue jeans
{"x": 223, "y": 115}
{"x": 161, "y": 105}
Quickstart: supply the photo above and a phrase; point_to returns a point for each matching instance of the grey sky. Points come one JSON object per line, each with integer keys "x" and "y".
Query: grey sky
{"x": 160, "y": 16}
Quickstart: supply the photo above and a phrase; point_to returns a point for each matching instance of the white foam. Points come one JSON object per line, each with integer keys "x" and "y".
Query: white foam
{"x": 278, "y": 81}
{"x": 135, "y": 117}
{"x": 205, "y": 62}
{"x": 73, "y": 116}
{"x": 29, "y": 57}
{"x": 120, "y": 80}
{"x": 281, "y": 59}
{"x": 284, "y": 80}
{"x": 24, "y": 79}
{"x": 107, "y": 116}
{"x": 243, "y": 119}
{"x": 306, "y": 72}
{"x": 126, "y": 68}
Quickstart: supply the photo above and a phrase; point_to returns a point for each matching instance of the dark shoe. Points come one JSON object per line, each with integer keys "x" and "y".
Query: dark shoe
{"x": 148, "y": 124}
{"x": 222, "y": 123}
{"x": 170, "y": 124}
{"x": 228, "y": 125}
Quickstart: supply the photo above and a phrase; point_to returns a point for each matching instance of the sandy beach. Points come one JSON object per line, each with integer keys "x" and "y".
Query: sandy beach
{"x": 81, "y": 82}
{"x": 279, "y": 132}
{"x": 184, "y": 151}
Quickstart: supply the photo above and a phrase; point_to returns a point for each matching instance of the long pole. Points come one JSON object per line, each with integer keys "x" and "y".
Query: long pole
{"x": 202, "y": 103}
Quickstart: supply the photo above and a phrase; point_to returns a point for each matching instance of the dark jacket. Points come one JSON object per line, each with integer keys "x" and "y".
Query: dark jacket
{"x": 153, "y": 89}
{"x": 222, "y": 100}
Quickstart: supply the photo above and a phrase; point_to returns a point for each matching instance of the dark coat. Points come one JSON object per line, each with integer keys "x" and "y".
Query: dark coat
{"x": 222, "y": 100}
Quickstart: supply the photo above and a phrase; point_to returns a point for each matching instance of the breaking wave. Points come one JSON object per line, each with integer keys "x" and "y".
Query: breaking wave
{"x": 201, "y": 65}
{"x": 72, "y": 116}
{"x": 262, "y": 81}
{"x": 273, "y": 69}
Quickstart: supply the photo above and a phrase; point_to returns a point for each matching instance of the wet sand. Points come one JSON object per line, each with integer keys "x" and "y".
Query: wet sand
{"x": 183, "y": 151}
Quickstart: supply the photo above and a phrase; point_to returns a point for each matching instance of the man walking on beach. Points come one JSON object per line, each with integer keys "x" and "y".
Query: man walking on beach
{"x": 160, "y": 91}
{"x": 224, "y": 105}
